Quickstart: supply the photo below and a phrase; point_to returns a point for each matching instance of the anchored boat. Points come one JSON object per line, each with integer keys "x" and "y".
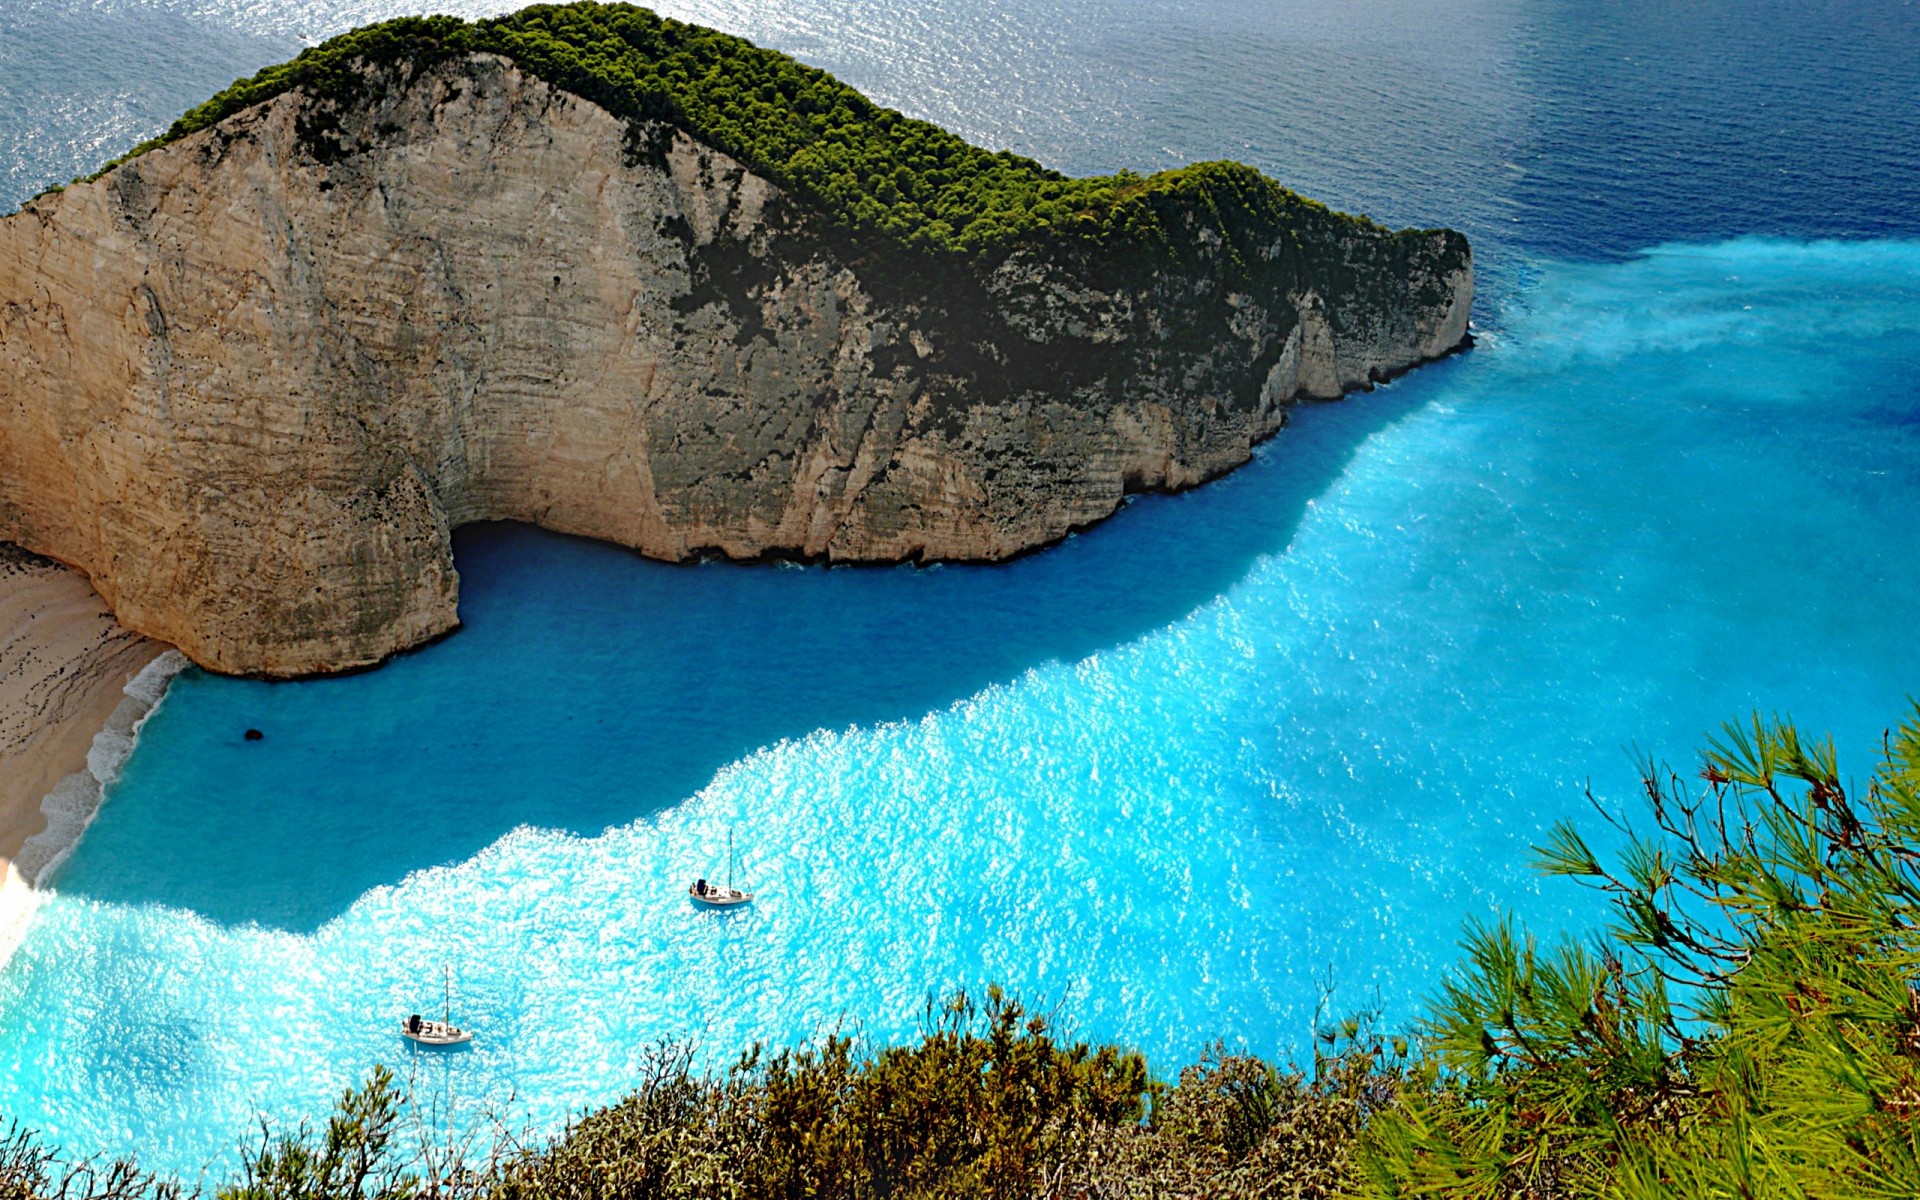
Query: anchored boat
{"x": 714, "y": 895}
{"x": 428, "y": 1032}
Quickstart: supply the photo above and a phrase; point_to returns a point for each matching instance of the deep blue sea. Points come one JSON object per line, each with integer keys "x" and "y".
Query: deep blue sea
{"x": 1184, "y": 773}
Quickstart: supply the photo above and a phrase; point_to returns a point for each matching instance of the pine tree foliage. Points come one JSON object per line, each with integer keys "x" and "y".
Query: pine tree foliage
{"x": 1747, "y": 1027}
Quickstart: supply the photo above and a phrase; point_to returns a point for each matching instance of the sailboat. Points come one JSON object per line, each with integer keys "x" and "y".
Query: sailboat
{"x": 713, "y": 895}
{"x": 444, "y": 1032}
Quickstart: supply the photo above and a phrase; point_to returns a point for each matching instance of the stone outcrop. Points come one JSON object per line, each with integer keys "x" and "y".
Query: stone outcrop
{"x": 250, "y": 382}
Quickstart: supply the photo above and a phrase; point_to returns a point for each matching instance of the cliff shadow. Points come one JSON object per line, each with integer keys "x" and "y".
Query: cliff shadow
{"x": 589, "y": 687}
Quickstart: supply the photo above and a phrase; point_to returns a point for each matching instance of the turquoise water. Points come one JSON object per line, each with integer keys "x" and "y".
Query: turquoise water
{"x": 1181, "y": 773}
{"x": 1177, "y": 772}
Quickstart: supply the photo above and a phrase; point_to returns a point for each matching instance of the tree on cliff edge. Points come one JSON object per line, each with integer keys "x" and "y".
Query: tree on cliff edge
{"x": 1749, "y": 1026}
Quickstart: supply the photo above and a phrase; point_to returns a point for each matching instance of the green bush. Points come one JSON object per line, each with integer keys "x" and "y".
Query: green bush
{"x": 978, "y": 1107}
{"x": 870, "y": 168}
{"x": 1748, "y": 1027}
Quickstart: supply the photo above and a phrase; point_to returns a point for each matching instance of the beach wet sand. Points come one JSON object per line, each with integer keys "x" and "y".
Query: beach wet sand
{"x": 65, "y": 664}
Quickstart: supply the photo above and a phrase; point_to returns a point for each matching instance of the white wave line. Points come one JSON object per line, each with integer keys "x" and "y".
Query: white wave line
{"x": 72, "y": 804}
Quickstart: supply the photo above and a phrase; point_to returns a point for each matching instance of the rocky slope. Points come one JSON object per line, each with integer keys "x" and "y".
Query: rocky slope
{"x": 251, "y": 380}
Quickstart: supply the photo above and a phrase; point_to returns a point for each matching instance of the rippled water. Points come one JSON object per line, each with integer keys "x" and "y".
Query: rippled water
{"x": 1180, "y": 771}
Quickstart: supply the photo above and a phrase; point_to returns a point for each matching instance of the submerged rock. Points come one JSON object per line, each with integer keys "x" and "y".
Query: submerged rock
{"x": 251, "y": 380}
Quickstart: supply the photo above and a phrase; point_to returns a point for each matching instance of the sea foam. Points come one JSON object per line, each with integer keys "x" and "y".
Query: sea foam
{"x": 72, "y": 804}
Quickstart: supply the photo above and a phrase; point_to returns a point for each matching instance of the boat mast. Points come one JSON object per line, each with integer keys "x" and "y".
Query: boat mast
{"x": 729, "y": 858}
{"x": 446, "y": 995}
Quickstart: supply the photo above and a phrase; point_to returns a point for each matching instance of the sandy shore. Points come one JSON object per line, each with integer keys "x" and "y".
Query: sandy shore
{"x": 64, "y": 667}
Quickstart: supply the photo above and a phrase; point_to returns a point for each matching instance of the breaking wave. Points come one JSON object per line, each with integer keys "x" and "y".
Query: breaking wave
{"x": 72, "y": 804}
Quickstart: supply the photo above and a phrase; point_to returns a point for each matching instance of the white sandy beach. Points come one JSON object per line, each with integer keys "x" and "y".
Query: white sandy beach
{"x": 64, "y": 667}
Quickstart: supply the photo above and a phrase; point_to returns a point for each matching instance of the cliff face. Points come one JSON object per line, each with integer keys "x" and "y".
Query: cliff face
{"x": 250, "y": 381}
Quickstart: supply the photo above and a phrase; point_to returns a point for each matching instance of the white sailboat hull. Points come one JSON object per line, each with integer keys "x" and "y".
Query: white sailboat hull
{"x": 714, "y": 895}
{"x": 719, "y": 897}
{"x": 434, "y": 1033}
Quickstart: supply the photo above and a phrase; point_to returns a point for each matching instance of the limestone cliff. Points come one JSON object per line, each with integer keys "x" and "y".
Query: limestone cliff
{"x": 249, "y": 382}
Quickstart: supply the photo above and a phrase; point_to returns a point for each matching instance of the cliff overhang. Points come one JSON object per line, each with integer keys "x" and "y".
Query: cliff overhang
{"x": 252, "y": 377}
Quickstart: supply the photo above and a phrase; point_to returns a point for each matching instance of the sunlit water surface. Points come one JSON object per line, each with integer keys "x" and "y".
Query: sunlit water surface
{"x": 1182, "y": 773}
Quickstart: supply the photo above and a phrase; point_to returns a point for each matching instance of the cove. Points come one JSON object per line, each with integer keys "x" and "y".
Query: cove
{"x": 590, "y": 686}
{"x": 1180, "y": 772}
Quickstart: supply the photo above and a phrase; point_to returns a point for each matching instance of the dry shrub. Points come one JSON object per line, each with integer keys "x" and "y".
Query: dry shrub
{"x": 1235, "y": 1126}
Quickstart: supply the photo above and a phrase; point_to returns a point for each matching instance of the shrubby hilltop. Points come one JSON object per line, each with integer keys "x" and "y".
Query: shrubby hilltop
{"x": 632, "y": 279}
{"x": 870, "y": 168}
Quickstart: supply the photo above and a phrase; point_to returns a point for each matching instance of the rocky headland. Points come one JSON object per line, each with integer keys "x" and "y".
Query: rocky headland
{"x": 252, "y": 378}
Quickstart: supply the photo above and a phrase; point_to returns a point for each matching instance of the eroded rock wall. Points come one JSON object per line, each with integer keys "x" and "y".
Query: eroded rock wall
{"x": 251, "y": 381}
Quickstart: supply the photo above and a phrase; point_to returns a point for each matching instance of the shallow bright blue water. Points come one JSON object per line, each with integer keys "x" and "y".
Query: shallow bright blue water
{"x": 1180, "y": 771}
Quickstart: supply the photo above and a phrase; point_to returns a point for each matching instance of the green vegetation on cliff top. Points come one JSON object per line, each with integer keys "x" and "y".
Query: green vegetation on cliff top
{"x": 870, "y": 168}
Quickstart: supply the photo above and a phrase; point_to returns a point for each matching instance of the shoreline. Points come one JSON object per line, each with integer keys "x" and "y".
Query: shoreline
{"x": 75, "y": 687}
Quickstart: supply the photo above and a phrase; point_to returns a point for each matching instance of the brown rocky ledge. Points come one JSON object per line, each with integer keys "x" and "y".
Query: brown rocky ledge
{"x": 251, "y": 392}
